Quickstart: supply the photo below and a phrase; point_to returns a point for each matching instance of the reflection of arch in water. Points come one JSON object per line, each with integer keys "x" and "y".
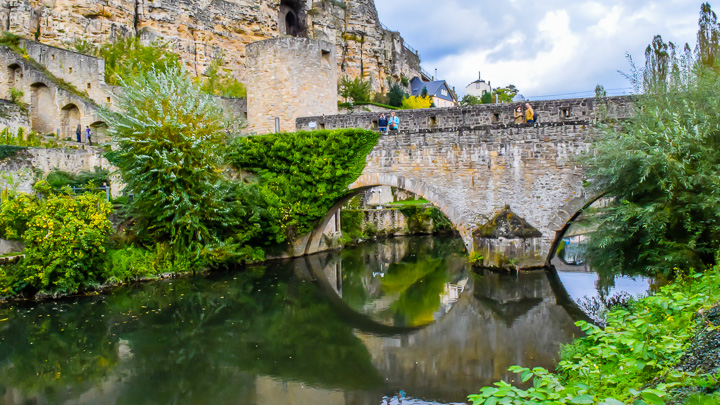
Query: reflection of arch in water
{"x": 368, "y": 181}
{"x": 314, "y": 267}
{"x": 71, "y": 117}
{"x": 559, "y": 234}
{"x": 43, "y": 109}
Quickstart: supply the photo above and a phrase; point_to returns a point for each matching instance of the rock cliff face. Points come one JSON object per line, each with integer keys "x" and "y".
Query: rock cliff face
{"x": 204, "y": 30}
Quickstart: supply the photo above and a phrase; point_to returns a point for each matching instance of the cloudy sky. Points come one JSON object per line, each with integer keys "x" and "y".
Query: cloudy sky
{"x": 548, "y": 49}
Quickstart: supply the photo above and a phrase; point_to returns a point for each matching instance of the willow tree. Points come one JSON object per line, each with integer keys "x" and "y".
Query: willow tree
{"x": 660, "y": 169}
{"x": 170, "y": 137}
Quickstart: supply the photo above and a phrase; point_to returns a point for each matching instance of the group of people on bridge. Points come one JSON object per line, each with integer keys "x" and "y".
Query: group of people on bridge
{"x": 392, "y": 123}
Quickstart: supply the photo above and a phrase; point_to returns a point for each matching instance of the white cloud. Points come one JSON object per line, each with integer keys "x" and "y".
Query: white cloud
{"x": 544, "y": 48}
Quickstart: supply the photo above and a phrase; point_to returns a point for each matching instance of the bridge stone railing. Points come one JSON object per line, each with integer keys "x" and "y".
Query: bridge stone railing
{"x": 552, "y": 111}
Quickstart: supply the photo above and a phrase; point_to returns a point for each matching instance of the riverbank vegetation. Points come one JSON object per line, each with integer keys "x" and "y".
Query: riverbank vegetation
{"x": 659, "y": 169}
{"x": 659, "y": 172}
{"x": 201, "y": 195}
{"x": 656, "y": 350}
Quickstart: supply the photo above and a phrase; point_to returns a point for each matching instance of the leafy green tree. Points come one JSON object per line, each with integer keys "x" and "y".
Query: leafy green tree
{"x": 708, "y": 40}
{"x": 128, "y": 57}
{"x": 170, "y": 139}
{"x": 355, "y": 89}
{"x": 505, "y": 94}
{"x": 396, "y": 95}
{"x": 486, "y": 98}
{"x": 470, "y": 100}
{"x": 600, "y": 91}
{"x": 660, "y": 171}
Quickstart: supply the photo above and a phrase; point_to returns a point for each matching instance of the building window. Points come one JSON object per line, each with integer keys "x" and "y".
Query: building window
{"x": 444, "y": 92}
{"x": 477, "y": 85}
{"x": 484, "y": 91}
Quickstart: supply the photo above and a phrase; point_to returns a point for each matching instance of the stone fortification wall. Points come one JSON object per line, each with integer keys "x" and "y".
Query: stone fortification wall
{"x": 20, "y": 171}
{"x": 64, "y": 88}
{"x": 552, "y": 112}
{"x": 12, "y": 117}
{"x": 86, "y": 73}
{"x": 289, "y": 78}
{"x": 204, "y": 30}
{"x": 52, "y": 105}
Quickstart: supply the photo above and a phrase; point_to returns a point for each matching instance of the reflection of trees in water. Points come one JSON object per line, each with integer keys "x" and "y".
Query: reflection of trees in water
{"x": 189, "y": 341}
{"x": 402, "y": 280}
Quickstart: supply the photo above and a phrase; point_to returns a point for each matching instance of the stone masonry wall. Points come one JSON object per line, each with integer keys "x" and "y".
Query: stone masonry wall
{"x": 471, "y": 174}
{"x": 52, "y": 105}
{"x": 204, "y": 30}
{"x": 552, "y": 111}
{"x": 20, "y": 171}
{"x": 12, "y": 117}
{"x": 289, "y": 78}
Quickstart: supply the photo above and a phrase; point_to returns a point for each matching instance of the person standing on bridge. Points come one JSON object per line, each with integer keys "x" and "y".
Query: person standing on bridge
{"x": 383, "y": 123}
{"x": 518, "y": 115}
{"x": 394, "y": 122}
{"x": 529, "y": 113}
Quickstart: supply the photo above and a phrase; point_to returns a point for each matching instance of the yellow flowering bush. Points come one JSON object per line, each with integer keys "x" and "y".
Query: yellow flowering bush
{"x": 65, "y": 240}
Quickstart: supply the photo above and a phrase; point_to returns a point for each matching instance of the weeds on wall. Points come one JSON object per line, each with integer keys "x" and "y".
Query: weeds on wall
{"x": 219, "y": 82}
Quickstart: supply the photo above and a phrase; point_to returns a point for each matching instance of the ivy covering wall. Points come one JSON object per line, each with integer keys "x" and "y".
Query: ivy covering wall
{"x": 301, "y": 175}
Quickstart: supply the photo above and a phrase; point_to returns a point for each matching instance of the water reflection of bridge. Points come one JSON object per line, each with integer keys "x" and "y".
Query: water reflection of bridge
{"x": 492, "y": 321}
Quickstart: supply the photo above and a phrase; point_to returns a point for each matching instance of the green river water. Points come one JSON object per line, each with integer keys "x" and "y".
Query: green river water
{"x": 402, "y": 321}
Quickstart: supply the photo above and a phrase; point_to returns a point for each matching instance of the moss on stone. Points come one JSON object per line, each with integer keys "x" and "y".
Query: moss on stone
{"x": 507, "y": 224}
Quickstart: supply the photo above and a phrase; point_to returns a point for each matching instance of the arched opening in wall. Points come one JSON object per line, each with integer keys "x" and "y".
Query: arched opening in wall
{"x": 291, "y": 19}
{"x": 396, "y": 211}
{"x": 99, "y": 130}
{"x": 70, "y": 121}
{"x": 420, "y": 270}
{"x": 14, "y": 73}
{"x": 43, "y": 111}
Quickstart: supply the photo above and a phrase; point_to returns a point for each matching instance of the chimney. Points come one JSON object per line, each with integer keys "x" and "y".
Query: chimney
{"x": 479, "y": 76}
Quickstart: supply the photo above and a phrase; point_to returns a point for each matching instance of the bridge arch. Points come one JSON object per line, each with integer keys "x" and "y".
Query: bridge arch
{"x": 368, "y": 181}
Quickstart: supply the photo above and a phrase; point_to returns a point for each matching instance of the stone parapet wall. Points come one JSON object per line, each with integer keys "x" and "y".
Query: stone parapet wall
{"x": 22, "y": 170}
{"x": 86, "y": 73}
{"x": 52, "y": 105}
{"x": 499, "y": 115}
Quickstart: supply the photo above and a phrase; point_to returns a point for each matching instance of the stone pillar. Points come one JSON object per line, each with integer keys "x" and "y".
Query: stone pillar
{"x": 288, "y": 78}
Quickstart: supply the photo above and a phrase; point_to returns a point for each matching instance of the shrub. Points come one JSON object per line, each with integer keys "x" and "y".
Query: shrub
{"x": 170, "y": 140}
{"x": 396, "y": 95}
{"x": 633, "y": 358}
{"x": 355, "y": 89}
{"x": 65, "y": 240}
{"x": 416, "y": 102}
{"x": 219, "y": 83}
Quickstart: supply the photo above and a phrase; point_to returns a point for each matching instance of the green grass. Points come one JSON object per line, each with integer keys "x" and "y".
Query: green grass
{"x": 407, "y": 203}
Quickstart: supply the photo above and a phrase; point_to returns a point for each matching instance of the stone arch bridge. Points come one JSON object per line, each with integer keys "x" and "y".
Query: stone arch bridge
{"x": 472, "y": 162}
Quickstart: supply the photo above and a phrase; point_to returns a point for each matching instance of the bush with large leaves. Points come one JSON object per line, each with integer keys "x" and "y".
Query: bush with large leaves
{"x": 170, "y": 140}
